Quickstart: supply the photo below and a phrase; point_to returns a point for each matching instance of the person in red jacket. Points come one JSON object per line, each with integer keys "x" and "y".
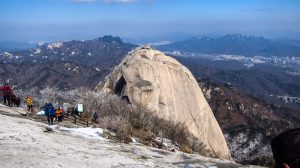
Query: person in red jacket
{"x": 7, "y": 93}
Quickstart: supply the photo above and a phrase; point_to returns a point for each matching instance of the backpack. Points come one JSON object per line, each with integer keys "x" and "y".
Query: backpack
{"x": 59, "y": 112}
{"x": 49, "y": 110}
{"x": 29, "y": 102}
{"x": 7, "y": 92}
{"x": 286, "y": 148}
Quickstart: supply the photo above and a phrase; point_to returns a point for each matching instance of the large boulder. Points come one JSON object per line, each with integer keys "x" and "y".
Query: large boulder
{"x": 149, "y": 78}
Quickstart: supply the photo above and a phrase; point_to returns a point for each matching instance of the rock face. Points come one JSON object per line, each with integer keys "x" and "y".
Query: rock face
{"x": 149, "y": 78}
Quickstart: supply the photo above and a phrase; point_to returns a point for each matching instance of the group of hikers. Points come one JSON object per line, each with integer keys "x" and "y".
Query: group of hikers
{"x": 10, "y": 99}
{"x": 49, "y": 110}
{"x": 51, "y": 113}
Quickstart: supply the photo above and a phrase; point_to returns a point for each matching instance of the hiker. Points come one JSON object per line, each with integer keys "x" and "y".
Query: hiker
{"x": 95, "y": 117}
{"x": 49, "y": 112}
{"x": 16, "y": 100}
{"x": 286, "y": 149}
{"x": 7, "y": 92}
{"x": 59, "y": 114}
{"x": 76, "y": 112}
{"x": 29, "y": 103}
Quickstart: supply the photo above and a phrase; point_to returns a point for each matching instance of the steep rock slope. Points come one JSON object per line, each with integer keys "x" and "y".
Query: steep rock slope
{"x": 248, "y": 123}
{"x": 149, "y": 78}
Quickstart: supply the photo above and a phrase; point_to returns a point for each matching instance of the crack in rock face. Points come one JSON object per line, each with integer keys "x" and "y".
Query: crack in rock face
{"x": 160, "y": 83}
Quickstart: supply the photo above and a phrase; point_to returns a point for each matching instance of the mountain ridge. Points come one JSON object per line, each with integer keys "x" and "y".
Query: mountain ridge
{"x": 235, "y": 44}
{"x": 105, "y": 51}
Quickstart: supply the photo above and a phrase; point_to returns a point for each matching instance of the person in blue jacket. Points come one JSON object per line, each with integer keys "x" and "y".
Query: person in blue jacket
{"x": 49, "y": 112}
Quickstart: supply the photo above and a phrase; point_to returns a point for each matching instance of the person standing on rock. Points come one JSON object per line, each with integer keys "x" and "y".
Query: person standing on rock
{"x": 95, "y": 117}
{"x": 7, "y": 93}
{"x": 49, "y": 112}
{"x": 59, "y": 114}
{"x": 29, "y": 103}
{"x": 15, "y": 100}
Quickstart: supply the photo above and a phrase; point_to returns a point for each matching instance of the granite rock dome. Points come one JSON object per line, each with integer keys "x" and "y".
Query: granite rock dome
{"x": 160, "y": 83}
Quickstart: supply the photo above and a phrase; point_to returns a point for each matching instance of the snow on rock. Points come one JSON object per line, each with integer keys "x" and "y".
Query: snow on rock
{"x": 41, "y": 43}
{"x": 166, "y": 142}
{"x": 37, "y": 51}
{"x": 76, "y": 69}
{"x": 8, "y": 54}
{"x": 243, "y": 145}
{"x": 55, "y": 45}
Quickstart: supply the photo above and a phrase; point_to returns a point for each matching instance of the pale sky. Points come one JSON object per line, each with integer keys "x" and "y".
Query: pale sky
{"x": 52, "y": 20}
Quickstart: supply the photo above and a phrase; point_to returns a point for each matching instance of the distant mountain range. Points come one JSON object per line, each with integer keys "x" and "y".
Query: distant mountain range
{"x": 234, "y": 44}
{"x": 266, "y": 81}
{"x": 105, "y": 51}
{"x": 287, "y": 41}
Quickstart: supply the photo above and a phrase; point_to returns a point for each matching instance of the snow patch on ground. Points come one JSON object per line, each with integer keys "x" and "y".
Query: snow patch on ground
{"x": 91, "y": 133}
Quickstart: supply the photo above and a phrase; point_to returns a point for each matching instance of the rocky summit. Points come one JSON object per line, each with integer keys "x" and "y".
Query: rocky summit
{"x": 149, "y": 78}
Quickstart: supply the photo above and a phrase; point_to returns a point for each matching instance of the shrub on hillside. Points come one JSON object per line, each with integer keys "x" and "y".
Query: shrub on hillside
{"x": 57, "y": 97}
{"x": 126, "y": 120}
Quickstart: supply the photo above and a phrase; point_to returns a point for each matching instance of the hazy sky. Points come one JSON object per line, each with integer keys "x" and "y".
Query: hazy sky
{"x": 49, "y": 20}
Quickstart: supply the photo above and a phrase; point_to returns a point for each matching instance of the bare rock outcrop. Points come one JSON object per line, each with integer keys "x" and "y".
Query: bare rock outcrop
{"x": 149, "y": 78}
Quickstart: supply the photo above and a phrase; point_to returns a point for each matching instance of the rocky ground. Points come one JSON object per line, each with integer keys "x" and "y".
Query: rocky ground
{"x": 249, "y": 124}
{"x": 27, "y": 143}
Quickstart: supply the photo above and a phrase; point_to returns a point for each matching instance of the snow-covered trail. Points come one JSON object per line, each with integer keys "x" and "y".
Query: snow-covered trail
{"x": 24, "y": 143}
